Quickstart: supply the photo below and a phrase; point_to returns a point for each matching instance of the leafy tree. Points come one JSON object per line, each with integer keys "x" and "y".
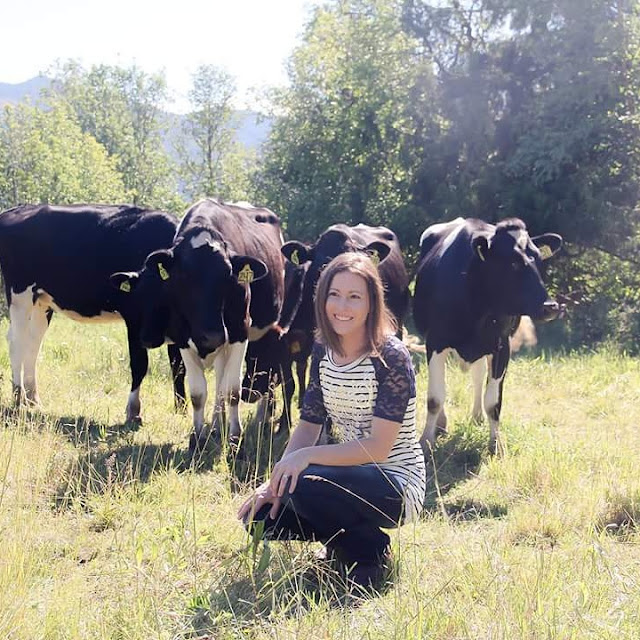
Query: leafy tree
{"x": 212, "y": 162}
{"x": 122, "y": 109}
{"x": 542, "y": 107}
{"x": 46, "y": 157}
{"x": 541, "y": 104}
{"x": 352, "y": 127}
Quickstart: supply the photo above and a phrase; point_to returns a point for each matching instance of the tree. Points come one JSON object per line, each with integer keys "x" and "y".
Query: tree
{"x": 212, "y": 163}
{"x": 122, "y": 109}
{"x": 352, "y": 127}
{"x": 541, "y": 104}
{"x": 46, "y": 157}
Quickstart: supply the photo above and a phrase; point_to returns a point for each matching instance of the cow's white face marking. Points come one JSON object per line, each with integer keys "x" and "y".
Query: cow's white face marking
{"x": 204, "y": 238}
{"x": 521, "y": 238}
{"x": 243, "y": 204}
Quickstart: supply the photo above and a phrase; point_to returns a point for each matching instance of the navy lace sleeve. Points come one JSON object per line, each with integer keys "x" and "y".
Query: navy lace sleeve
{"x": 313, "y": 409}
{"x": 396, "y": 381}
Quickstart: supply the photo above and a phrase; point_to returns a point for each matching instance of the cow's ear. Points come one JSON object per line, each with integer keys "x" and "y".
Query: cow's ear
{"x": 161, "y": 263}
{"x": 548, "y": 244}
{"x": 124, "y": 281}
{"x": 377, "y": 251}
{"x": 247, "y": 269}
{"x": 296, "y": 252}
{"x": 480, "y": 246}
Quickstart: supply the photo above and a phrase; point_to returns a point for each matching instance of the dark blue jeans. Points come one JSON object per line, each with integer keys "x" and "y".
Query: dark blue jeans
{"x": 342, "y": 507}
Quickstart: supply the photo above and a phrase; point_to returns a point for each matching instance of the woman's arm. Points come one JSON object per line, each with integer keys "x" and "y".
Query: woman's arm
{"x": 374, "y": 448}
{"x": 304, "y": 435}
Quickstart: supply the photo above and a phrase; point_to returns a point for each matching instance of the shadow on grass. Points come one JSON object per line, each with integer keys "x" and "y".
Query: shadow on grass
{"x": 457, "y": 458}
{"x": 255, "y": 587}
{"x": 104, "y": 469}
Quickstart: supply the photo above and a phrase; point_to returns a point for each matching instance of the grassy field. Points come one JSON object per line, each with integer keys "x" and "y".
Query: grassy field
{"x": 105, "y": 532}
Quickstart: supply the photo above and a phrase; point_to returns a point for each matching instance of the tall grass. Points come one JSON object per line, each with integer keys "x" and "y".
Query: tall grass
{"x": 106, "y": 531}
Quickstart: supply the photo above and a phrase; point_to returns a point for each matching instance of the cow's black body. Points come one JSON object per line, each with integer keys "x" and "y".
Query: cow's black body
{"x": 59, "y": 258}
{"x": 223, "y": 282}
{"x": 473, "y": 283}
{"x": 381, "y": 243}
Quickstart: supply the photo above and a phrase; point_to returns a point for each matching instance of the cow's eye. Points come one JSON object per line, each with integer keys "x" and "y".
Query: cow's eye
{"x": 516, "y": 264}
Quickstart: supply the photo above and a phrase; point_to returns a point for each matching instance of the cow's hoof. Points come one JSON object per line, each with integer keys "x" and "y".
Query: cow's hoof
{"x": 180, "y": 406}
{"x": 133, "y": 422}
{"x": 496, "y": 447}
{"x": 196, "y": 444}
{"x": 441, "y": 430}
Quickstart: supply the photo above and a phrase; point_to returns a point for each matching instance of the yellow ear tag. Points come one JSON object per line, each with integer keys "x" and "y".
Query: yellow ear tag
{"x": 545, "y": 251}
{"x": 245, "y": 275}
{"x": 164, "y": 274}
{"x": 125, "y": 286}
{"x": 295, "y": 347}
{"x": 375, "y": 258}
{"x": 295, "y": 258}
{"x": 479, "y": 250}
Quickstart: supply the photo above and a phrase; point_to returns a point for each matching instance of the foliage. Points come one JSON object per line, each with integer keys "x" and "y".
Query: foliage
{"x": 46, "y": 157}
{"x": 122, "y": 109}
{"x": 212, "y": 162}
{"x": 353, "y": 124}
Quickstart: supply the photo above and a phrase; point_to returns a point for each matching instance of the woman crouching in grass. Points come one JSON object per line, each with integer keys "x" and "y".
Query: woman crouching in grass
{"x": 363, "y": 381}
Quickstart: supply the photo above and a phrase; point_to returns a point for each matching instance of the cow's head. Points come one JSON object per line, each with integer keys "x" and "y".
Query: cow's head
{"x": 507, "y": 270}
{"x": 334, "y": 241}
{"x": 203, "y": 284}
{"x": 147, "y": 293}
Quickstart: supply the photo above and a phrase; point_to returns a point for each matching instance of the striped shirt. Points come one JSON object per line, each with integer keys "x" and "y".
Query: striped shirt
{"x": 351, "y": 395}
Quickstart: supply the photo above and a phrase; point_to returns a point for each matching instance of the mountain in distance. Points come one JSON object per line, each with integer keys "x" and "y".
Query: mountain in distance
{"x": 252, "y": 128}
{"x": 12, "y": 93}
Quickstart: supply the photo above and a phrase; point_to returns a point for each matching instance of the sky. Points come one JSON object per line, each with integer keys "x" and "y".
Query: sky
{"x": 250, "y": 39}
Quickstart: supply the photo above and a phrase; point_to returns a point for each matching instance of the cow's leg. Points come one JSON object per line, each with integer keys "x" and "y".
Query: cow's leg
{"x": 177, "y": 374}
{"x": 139, "y": 362}
{"x": 38, "y": 325}
{"x": 198, "y": 394}
{"x": 27, "y": 326}
{"x": 498, "y": 363}
{"x": 228, "y": 386}
{"x": 288, "y": 388}
{"x": 435, "y": 397}
{"x": 301, "y": 370}
{"x": 478, "y": 376}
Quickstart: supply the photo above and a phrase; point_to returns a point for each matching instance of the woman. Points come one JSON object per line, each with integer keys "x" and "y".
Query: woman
{"x": 362, "y": 380}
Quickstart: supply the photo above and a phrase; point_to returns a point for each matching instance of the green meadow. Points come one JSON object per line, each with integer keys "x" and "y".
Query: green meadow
{"x": 107, "y": 531}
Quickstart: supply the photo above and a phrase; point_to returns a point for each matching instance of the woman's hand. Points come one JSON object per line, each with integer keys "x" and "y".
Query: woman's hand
{"x": 261, "y": 496}
{"x": 287, "y": 471}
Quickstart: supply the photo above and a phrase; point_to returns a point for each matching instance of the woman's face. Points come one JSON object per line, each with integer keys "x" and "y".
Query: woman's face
{"x": 347, "y": 304}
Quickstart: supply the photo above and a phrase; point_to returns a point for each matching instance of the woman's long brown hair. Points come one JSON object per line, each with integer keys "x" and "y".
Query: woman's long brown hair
{"x": 380, "y": 323}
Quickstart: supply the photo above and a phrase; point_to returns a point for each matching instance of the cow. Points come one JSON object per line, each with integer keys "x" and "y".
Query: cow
{"x": 222, "y": 280}
{"x": 268, "y": 360}
{"x": 383, "y": 246}
{"x": 59, "y": 258}
{"x": 474, "y": 281}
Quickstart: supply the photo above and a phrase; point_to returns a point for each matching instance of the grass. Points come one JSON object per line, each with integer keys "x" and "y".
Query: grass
{"x": 106, "y": 532}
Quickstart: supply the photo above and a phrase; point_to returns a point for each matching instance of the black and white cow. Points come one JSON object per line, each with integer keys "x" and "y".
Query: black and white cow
{"x": 383, "y": 246}
{"x": 268, "y": 360}
{"x": 473, "y": 283}
{"x": 59, "y": 258}
{"x": 222, "y": 280}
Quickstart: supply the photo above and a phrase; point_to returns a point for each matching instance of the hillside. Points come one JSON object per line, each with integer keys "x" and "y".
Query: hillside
{"x": 252, "y": 128}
